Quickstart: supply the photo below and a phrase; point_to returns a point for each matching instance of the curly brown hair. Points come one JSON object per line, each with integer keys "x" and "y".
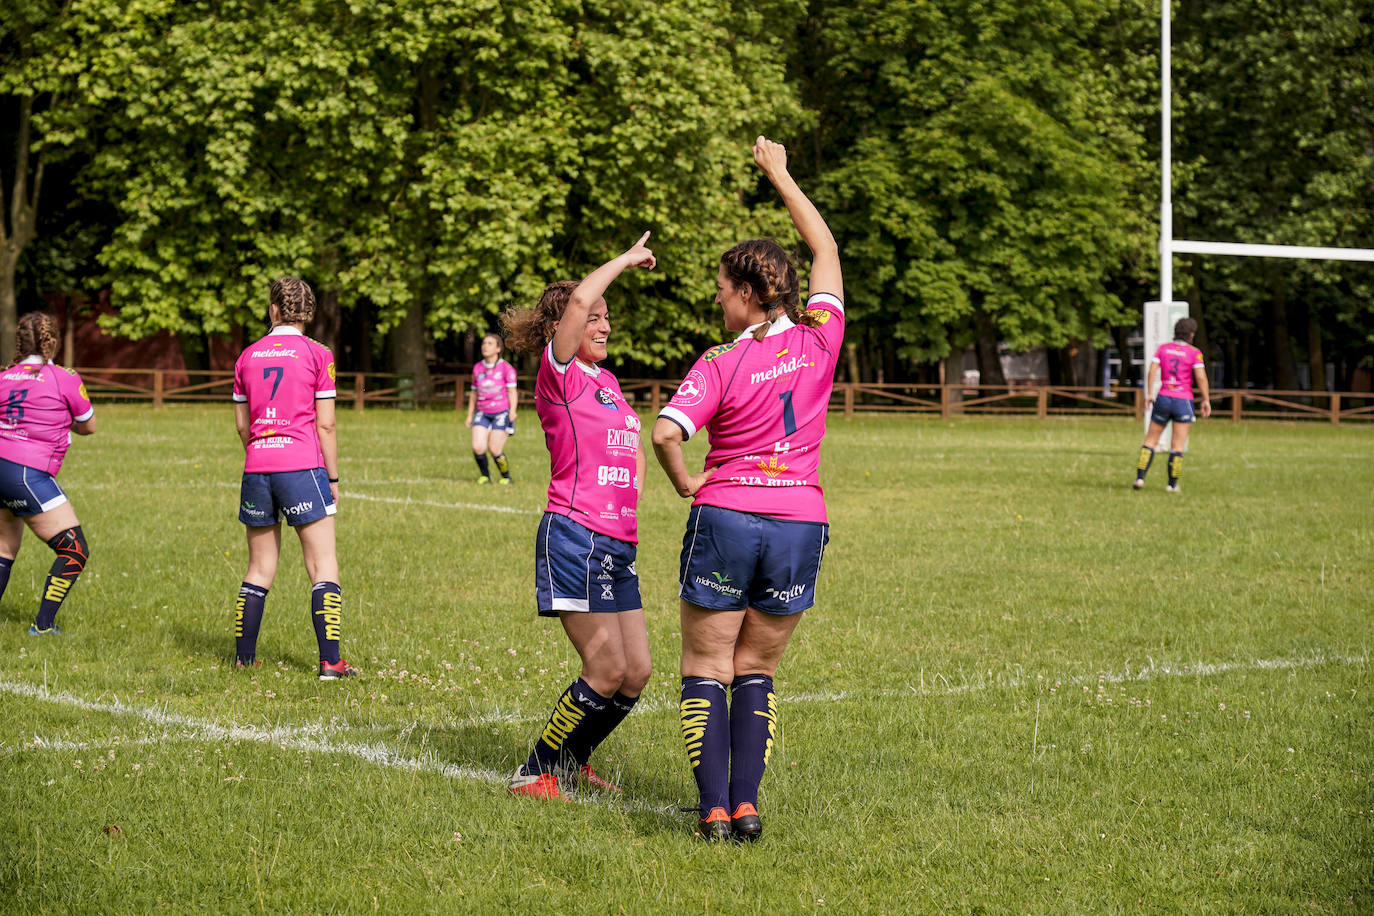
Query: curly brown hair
{"x": 294, "y": 298}
{"x": 769, "y": 272}
{"x": 530, "y": 328}
{"x": 36, "y": 336}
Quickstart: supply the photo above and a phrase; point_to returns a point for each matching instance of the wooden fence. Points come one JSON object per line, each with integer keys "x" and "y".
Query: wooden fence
{"x": 395, "y": 389}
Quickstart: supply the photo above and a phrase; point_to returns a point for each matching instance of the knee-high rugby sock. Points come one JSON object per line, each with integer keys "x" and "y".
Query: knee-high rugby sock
{"x": 571, "y": 714}
{"x": 1175, "y": 467}
{"x": 481, "y": 459}
{"x": 72, "y": 553}
{"x": 705, "y": 717}
{"x": 597, "y": 726}
{"x": 248, "y": 610}
{"x": 6, "y": 564}
{"x": 503, "y": 465}
{"x": 326, "y": 612}
{"x": 1142, "y": 463}
{"x": 753, "y": 723}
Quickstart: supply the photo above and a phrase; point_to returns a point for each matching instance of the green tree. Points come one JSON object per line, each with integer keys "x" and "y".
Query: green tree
{"x": 975, "y": 165}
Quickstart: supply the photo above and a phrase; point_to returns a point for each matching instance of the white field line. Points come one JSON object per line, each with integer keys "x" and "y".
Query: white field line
{"x": 286, "y": 737}
{"x": 298, "y": 738}
{"x": 351, "y": 494}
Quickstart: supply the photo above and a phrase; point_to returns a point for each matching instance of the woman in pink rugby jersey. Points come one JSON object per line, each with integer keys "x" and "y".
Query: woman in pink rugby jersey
{"x": 491, "y": 410}
{"x": 1179, "y": 364}
{"x": 284, "y": 412}
{"x": 41, "y": 405}
{"x": 757, "y": 528}
{"x": 584, "y": 554}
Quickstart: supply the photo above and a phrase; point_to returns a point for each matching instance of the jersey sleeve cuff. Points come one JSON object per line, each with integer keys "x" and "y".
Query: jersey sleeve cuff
{"x": 240, "y": 398}
{"x": 558, "y": 367}
{"x": 322, "y": 395}
{"x": 82, "y": 418}
{"x": 670, "y": 412}
{"x": 829, "y": 300}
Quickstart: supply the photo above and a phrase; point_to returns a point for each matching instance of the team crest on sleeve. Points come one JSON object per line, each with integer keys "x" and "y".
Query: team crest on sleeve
{"x": 330, "y": 370}
{"x": 692, "y": 391}
{"x": 82, "y": 391}
{"x": 718, "y": 350}
{"x": 821, "y": 315}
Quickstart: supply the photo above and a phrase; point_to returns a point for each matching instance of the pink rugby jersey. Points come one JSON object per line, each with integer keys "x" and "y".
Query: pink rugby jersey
{"x": 763, "y": 402}
{"x": 593, "y": 439}
{"x": 1176, "y": 363}
{"x": 39, "y": 402}
{"x": 280, "y": 377}
{"x": 492, "y": 384}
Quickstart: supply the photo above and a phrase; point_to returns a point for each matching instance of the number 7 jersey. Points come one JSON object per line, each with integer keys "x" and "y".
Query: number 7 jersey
{"x": 280, "y": 377}
{"x": 763, "y": 404}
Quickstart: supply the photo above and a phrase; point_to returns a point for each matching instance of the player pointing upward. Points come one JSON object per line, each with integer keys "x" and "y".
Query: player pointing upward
{"x": 757, "y": 526}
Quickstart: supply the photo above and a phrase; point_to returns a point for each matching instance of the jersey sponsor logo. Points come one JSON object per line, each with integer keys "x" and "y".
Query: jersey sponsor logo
{"x": 693, "y": 713}
{"x": 16, "y": 503}
{"x": 611, "y": 476}
{"x": 719, "y": 583}
{"x": 607, "y": 398}
{"x": 299, "y": 508}
{"x": 821, "y": 315}
{"x": 331, "y": 613}
{"x": 787, "y": 595}
{"x": 786, "y": 367}
{"x": 273, "y": 350}
{"x": 250, "y": 509}
{"x": 772, "y": 467}
{"x": 718, "y": 350}
{"x": 692, "y": 391}
{"x": 622, "y": 440}
{"x": 607, "y": 592}
{"x": 566, "y": 715}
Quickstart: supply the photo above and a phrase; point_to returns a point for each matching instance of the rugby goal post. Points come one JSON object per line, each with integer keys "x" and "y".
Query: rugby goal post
{"x": 1168, "y": 245}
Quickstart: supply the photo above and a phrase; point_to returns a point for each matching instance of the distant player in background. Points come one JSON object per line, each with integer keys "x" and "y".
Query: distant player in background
{"x": 491, "y": 410}
{"x": 1180, "y": 363}
{"x": 41, "y": 405}
{"x": 584, "y": 553}
{"x": 284, "y": 411}
{"x": 757, "y": 527}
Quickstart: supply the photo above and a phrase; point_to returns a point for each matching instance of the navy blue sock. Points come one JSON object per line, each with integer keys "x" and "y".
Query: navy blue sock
{"x": 578, "y": 705}
{"x": 1143, "y": 462}
{"x": 597, "y": 726}
{"x": 753, "y": 721}
{"x": 705, "y": 717}
{"x": 481, "y": 459}
{"x": 326, "y": 612}
{"x": 6, "y": 564}
{"x": 72, "y": 554}
{"x": 1175, "y": 467}
{"x": 247, "y": 619}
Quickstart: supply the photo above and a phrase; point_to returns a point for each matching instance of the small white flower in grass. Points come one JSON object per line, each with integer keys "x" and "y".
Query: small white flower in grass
{"x": 457, "y": 837}
{"x": 1290, "y": 750}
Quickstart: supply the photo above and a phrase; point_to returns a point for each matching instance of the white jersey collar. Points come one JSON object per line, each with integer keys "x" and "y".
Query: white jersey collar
{"x": 783, "y": 323}
{"x": 34, "y": 360}
{"x": 285, "y": 329}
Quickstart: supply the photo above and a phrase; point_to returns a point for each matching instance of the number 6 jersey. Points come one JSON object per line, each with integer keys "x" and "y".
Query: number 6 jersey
{"x": 280, "y": 377}
{"x": 763, "y": 403}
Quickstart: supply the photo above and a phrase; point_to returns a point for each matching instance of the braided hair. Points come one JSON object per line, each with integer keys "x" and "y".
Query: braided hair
{"x": 294, "y": 299}
{"x": 36, "y": 335}
{"x": 530, "y": 328}
{"x": 769, "y": 272}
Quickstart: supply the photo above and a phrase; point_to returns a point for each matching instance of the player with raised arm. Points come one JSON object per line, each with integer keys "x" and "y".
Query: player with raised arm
{"x": 584, "y": 553}
{"x": 41, "y": 405}
{"x": 284, "y": 411}
{"x": 757, "y": 528}
{"x": 491, "y": 410}
{"x": 1179, "y": 363}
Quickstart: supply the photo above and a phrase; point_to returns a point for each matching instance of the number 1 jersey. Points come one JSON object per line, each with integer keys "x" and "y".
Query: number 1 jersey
{"x": 280, "y": 377}
{"x": 763, "y": 404}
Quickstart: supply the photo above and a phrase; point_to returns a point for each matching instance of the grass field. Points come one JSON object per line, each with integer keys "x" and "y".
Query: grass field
{"x": 1025, "y": 687}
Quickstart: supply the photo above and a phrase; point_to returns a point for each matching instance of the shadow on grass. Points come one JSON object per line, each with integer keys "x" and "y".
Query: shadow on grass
{"x": 14, "y": 613}
{"x": 219, "y": 646}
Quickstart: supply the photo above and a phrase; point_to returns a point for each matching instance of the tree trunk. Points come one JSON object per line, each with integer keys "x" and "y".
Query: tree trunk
{"x": 9, "y": 312}
{"x": 324, "y": 327}
{"x": 18, "y": 230}
{"x": 851, "y": 358}
{"x": 953, "y": 366}
{"x": 1285, "y": 374}
{"x": 1316, "y": 360}
{"x": 407, "y": 343}
{"x": 989, "y": 365}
